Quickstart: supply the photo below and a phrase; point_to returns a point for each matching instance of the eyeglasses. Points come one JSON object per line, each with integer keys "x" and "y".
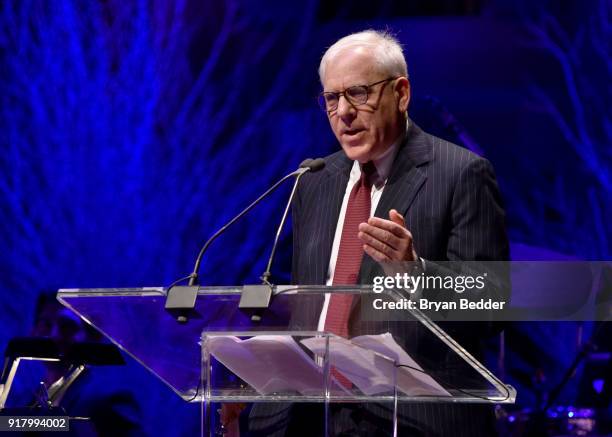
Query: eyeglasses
{"x": 356, "y": 95}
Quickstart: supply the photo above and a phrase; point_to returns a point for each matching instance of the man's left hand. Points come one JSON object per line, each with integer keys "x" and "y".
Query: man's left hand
{"x": 387, "y": 240}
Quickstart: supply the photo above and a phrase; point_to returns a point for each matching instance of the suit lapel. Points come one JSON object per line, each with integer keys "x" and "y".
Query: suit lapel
{"x": 331, "y": 193}
{"x": 403, "y": 184}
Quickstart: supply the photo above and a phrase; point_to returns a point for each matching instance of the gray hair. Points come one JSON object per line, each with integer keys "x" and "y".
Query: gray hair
{"x": 385, "y": 47}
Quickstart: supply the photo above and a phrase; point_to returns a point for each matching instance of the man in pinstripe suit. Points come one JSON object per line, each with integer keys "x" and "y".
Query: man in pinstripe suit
{"x": 430, "y": 201}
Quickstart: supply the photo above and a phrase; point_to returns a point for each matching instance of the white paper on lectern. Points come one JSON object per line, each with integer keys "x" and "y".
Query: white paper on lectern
{"x": 369, "y": 361}
{"x": 269, "y": 363}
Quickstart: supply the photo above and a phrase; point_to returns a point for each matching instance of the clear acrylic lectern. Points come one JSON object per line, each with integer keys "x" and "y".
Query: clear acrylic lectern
{"x": 220, "y": 355}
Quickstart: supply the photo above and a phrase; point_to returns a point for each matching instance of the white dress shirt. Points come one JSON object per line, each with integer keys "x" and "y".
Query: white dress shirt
{"x": 383, "y": 167}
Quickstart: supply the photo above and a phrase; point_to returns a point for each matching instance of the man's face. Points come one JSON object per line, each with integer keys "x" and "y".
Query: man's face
{"x": 365, "y": 131}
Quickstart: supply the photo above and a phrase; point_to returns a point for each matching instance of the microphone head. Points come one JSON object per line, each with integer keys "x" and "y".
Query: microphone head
{"x": 306, "y": 163}
{"x": 317, "y": 164}
{"x": 311, "y": 165}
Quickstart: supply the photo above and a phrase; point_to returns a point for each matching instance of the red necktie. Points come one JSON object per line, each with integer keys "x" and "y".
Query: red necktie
{"x": 350, "y": 254}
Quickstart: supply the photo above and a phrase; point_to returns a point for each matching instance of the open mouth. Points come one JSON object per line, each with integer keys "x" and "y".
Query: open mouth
{"x": 352, "y": 132}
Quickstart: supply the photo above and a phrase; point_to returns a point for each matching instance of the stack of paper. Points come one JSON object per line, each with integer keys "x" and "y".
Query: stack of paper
{"x": 269, "y": 363}
{"x": 277, "y": 364}
{"x": 371, "y": 361}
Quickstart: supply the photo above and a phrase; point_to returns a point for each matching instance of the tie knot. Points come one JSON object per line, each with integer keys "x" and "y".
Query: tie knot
{"x": 368, "y": 170}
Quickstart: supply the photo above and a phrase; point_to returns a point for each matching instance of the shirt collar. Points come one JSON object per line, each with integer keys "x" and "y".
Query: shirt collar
{"x": 384, "y": 162}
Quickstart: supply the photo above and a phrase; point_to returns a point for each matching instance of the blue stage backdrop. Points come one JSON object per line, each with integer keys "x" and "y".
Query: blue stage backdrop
{"x": 130, "y": 131}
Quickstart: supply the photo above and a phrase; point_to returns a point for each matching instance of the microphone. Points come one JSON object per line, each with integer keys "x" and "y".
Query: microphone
{"x": 181, "y": 299}
{"x": 255, "y": 298}
{"x": 314, "y": 165}
{"x": 306, "y": 165}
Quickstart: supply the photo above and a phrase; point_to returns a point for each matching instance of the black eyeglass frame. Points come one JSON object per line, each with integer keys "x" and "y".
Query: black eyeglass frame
{"x": 323, "y": 102}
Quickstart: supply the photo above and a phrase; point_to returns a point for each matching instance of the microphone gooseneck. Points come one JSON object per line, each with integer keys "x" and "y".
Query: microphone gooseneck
{"x": 312, "y": 165}
{"x": 180, "y": 300}
{"x": 305, "y": 166}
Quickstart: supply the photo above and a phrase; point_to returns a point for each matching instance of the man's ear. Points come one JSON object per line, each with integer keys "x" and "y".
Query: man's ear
{"x": 402, "y": 92}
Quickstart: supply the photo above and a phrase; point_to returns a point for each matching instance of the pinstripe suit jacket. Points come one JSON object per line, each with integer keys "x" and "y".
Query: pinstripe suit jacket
{"x": 451, "y": 203}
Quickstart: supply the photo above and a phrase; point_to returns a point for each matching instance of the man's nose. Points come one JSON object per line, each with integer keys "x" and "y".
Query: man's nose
{"x": 345, "y": 108}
